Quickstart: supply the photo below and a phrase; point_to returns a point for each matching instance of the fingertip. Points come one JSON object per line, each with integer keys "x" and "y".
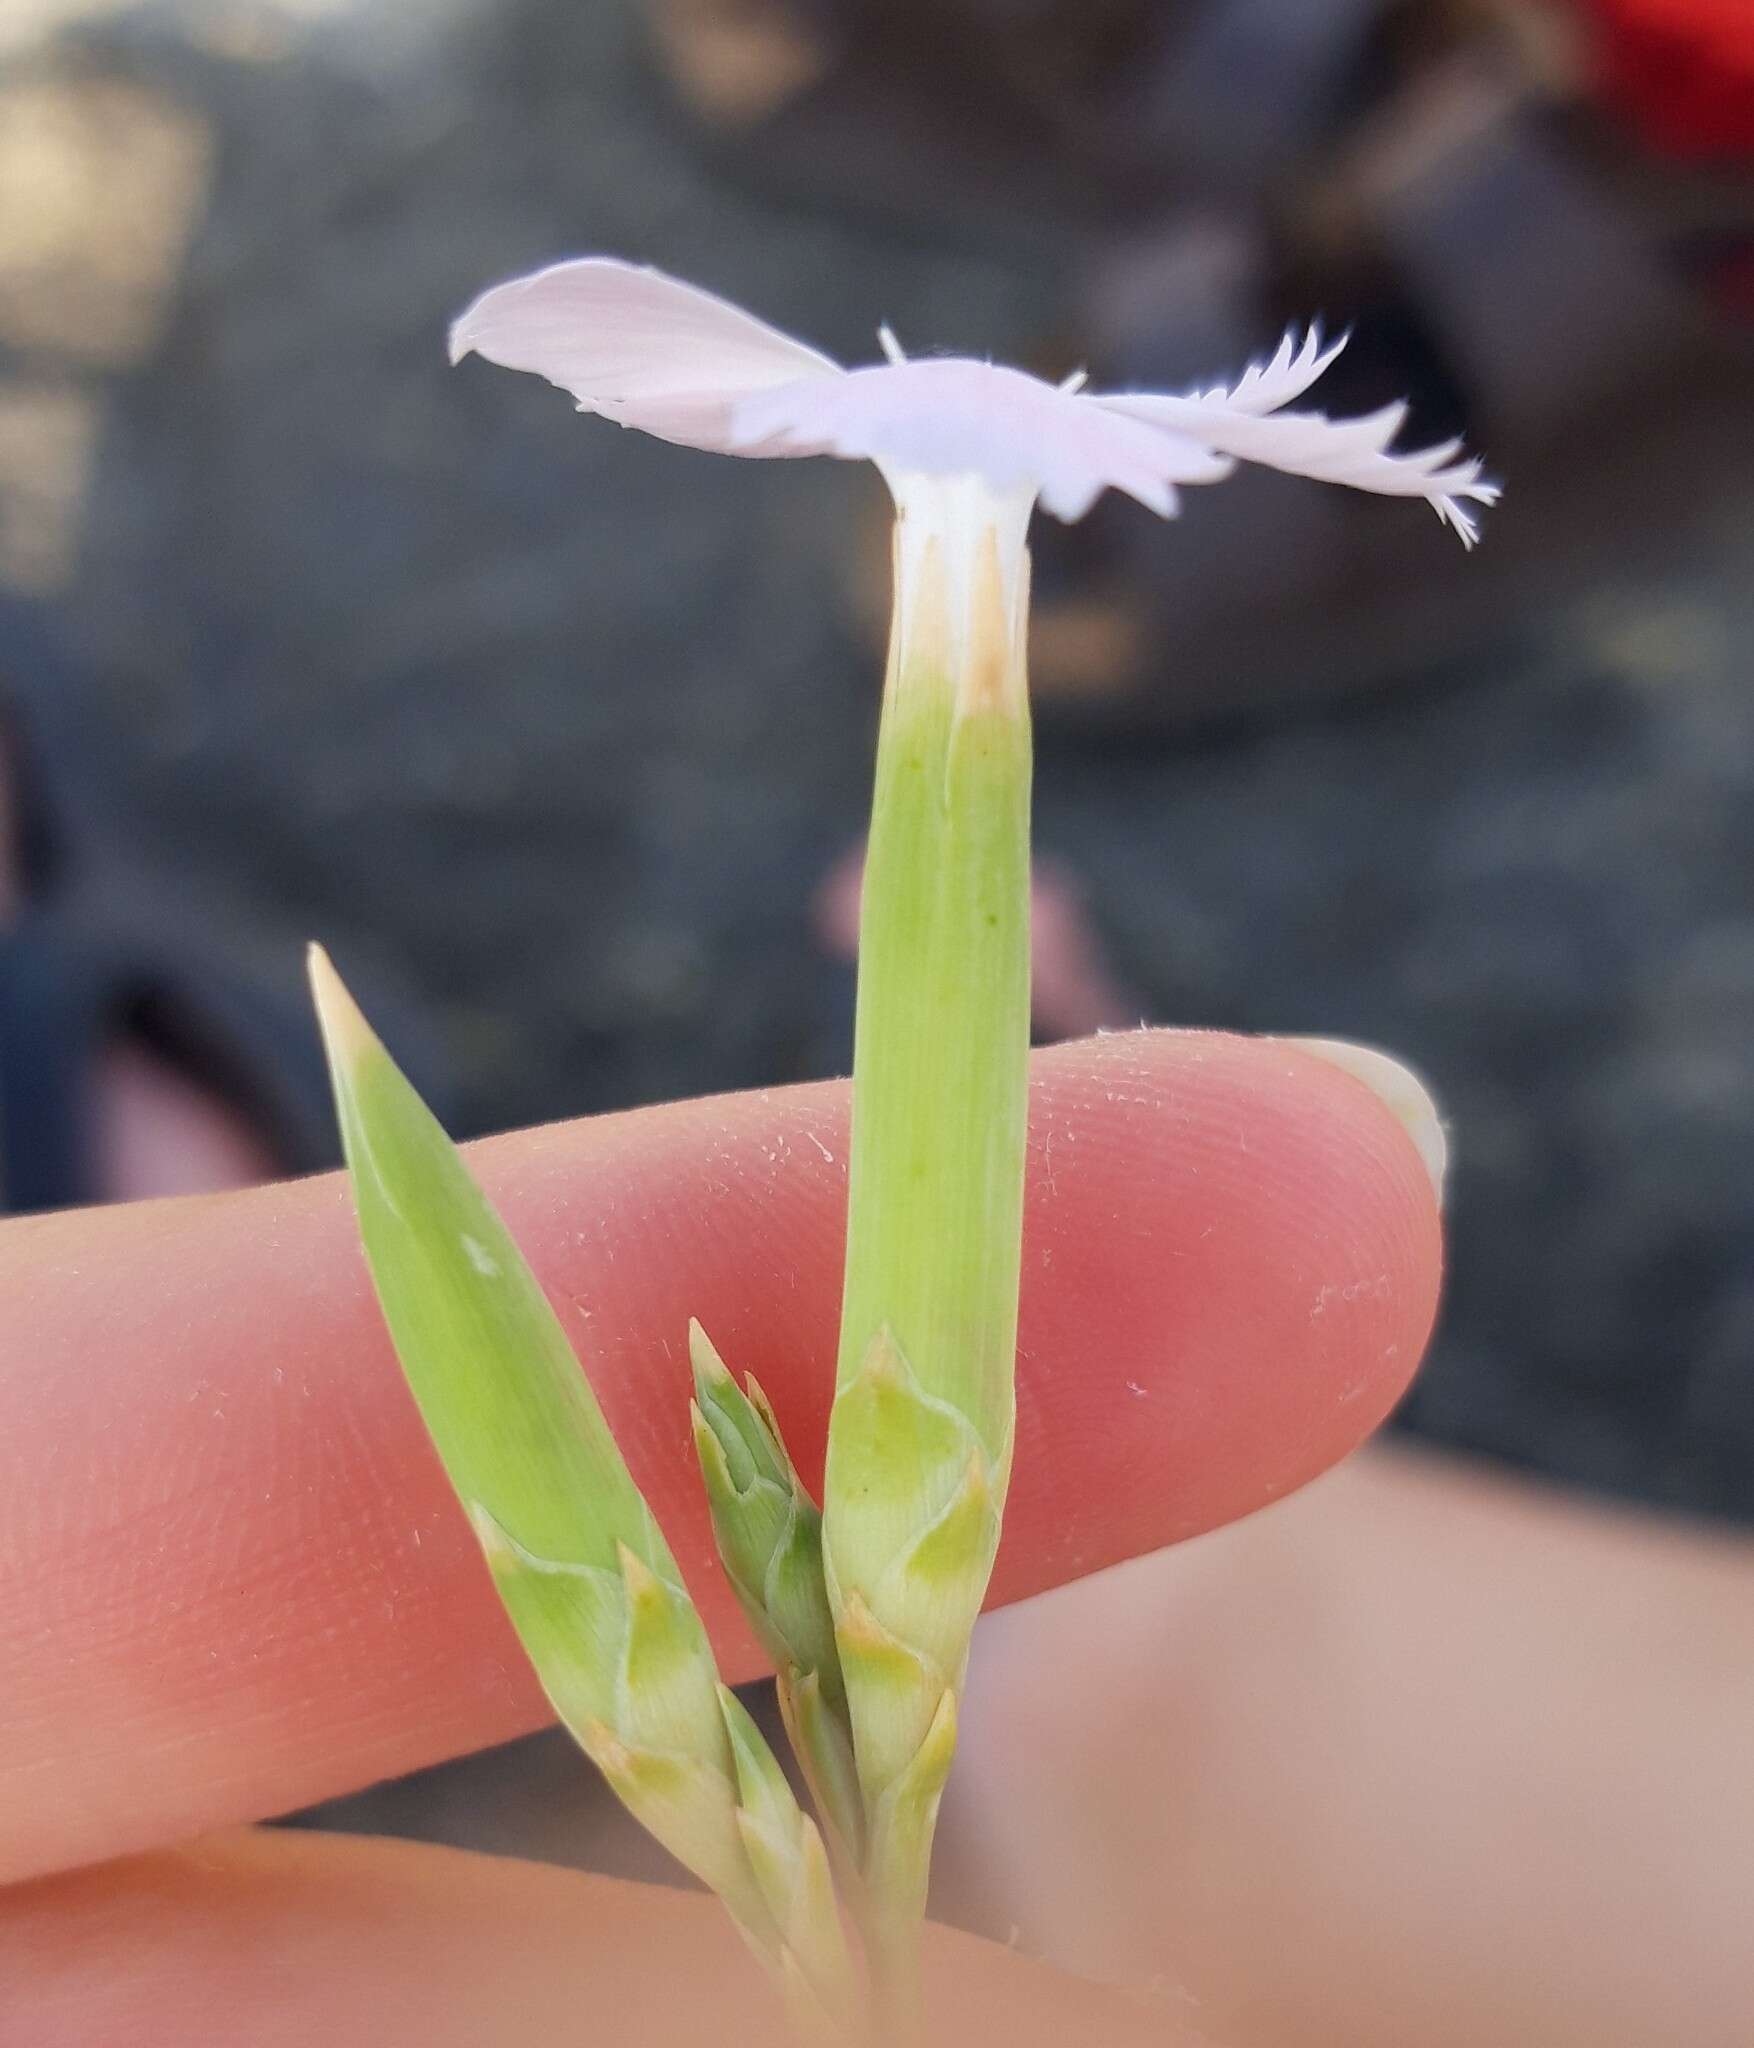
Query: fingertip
{"x": 1401, "y": 1091}
{"x": 1232, "y": 1263}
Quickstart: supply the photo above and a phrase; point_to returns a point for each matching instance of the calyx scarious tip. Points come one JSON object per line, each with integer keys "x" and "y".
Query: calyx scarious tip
{"x": 710, "y": 1370}
{"x": 496, "y": 1545}
{"x": 605, "y": 1748}
{"x": 637, "y": 1576}
{"x": 977, "y": 1482}
{"x": 884, "y": 1363}
{"x": 762, "y": 1405}
{"x": 770, "y": 1422}
{"x": 938, "y": 1749}
{"x": 857, "y": 1627}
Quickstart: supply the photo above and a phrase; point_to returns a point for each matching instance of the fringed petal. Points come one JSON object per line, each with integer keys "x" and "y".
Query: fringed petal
{"x": 1354, "y": 452}
{"x": 636, "y": 346}
{"x": 647, "y": 351}
{"x": 1287, "y": 374}
{"x": 947, "y": 416}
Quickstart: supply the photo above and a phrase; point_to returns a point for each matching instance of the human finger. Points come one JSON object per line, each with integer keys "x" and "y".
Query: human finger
{"x": 284, "y": 1939}
{"x": 233, "y": 1580}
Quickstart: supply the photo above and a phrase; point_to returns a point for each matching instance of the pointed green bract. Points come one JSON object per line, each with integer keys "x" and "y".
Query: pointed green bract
{"x": 762, "y": 1787}
{"x": 918, "y": 1524}
{"x": 769, "y": 1536}
{"x": 791, "y": 1867}
{"x": 498, "y": 1385}
{"x": 750, "y": 1438}
{"x": 750, "y": 1522}
{"x": 577, "y": 1557}
{"x": 571, "y": 1618}
{"x": 768, "y": 1529}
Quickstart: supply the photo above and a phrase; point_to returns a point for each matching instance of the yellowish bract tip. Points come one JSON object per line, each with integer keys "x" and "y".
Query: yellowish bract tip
{"x": 345, "y": 1032}
{"x": 644, "y": 1588}
{"x": 605, "y": 1749}
{"x": 703, "y": 1355}
{"x": 884, "y": 1364}
{"x": 857, "y": 1627}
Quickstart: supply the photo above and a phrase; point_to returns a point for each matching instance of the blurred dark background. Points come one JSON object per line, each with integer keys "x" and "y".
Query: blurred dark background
{"x": 554, "y": 733}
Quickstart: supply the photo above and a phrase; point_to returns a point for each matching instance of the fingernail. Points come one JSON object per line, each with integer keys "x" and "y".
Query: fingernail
{"x": 1398, "y": 1088}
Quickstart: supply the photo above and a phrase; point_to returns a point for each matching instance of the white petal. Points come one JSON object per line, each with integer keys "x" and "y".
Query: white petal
{"x": 1310, "y": 444}
{"x": 950, "y": 416}
{"x": 1288, "y": 374}
{"x": 648, "y": 351}
{"x": 638, "y": 347}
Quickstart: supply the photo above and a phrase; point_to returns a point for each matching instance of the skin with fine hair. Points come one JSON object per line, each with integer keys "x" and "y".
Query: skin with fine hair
{"x": 234, "y": 1580}
{"x": 214, "y": 1606}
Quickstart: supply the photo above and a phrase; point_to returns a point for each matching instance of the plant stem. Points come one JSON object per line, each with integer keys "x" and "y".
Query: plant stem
{"x": 920, "y": 1437}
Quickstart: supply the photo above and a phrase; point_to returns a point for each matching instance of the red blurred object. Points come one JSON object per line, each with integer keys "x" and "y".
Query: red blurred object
{"x": 1730, "y": 282}
{"x": 1683, "y": 70}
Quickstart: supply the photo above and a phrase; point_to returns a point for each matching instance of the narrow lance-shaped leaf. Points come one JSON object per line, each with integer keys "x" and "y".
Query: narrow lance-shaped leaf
{"x": 577, "y": 1556}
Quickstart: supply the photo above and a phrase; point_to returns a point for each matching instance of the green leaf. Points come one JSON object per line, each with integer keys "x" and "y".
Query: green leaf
{"x": 580, "y": 1563}
{"x": 500, "y": 1390}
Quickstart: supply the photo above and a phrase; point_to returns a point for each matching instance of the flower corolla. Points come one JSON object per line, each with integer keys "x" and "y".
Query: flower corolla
{"x": 649, "y": 351}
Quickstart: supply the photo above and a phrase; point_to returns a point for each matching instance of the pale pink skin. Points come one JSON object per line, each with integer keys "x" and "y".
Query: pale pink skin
{"x": 1418, "y": 1757}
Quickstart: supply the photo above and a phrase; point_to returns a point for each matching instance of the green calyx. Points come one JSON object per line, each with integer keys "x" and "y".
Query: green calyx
{"x": 941, "y": 1062}
{"x": 920, "y": 1435}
